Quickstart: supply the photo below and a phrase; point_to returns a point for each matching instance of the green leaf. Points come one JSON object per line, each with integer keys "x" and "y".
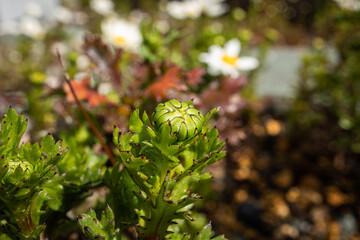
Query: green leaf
{"x": 210, "y": 115}
{"x": 207, "y": 234}
{"x": 123, "y": 198}
{"x": 13, "y": 127}
{"x": 29, "y": 182}
{"x": 135, "y": 123}
{"x": 103, "y": 229}
{"x": 81, "y": 165}
{"x": 3, "y": 236}
{"x": 49, "y": 147}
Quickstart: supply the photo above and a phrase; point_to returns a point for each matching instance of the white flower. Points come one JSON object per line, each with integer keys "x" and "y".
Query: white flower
{"x": 64, "y": 15}
{"x": 352, "y": 5}
{"x": 103, "y": 7}
{"x": 214, "y": 8}
{"x": 226, "y": 60}
{"x": 105, "y": 88}
{"x": 34, "y": 9}
{"x": 122, "y": 33}
{"x": 187, "y": 9}
{"x": 82, "y": 62}
{"x": 194, "y": 8}
{"x": 32, "y": 27}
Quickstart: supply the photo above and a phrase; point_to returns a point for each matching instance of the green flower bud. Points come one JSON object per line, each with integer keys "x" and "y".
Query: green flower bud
{"x": 186, "y": 121}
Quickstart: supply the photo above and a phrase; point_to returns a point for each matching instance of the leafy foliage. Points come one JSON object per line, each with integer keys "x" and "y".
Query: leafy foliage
{"x": 81, "y": 164}
{"x": 29, "y": 182}
{"x": 103, "y": 229}
{"x": 164, "y": 169}
{"x": 204, "y": 234}
{"x": 39, "y": 183}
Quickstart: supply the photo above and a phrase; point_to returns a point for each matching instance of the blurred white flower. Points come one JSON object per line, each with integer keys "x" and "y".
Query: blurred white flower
{"x": 162, "y": 25}
{"x": 63, "y": 15}
{"x": 32, "y": 27}
{"x": 186, "y": 9}
{"x": 103, "y": 7}
{"x": 80, "y": 17}
{"x": 53, "y": 81}
{"x": 122, "y": 33}
{"x": 82, "y": 62}
{"x": 213, "y": 8}
{"x": 194, "y": 8}
{"x": 105, "y": 88}
{"x": 352, "y": 5}
{"x": 34, "y": 9}
{"x": 226, "y": 60}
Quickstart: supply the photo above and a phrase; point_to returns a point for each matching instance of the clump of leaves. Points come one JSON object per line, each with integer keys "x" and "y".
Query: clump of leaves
{"x": 39, "y": 183}
{"x": 29, "y": 182}
{"x": 103, "y": 229}
{"x": 162, "y": 161}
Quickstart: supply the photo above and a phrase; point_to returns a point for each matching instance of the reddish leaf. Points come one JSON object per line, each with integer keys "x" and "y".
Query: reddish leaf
{"x": 226, "y": 95}
{"x": 83, "y": 92}
{"x": 170, "y": 80}
{"x": 194, "y": 76}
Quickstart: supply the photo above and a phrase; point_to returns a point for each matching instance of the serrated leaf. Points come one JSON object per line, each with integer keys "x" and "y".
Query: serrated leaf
{"x": 210, "y": 115}
{"x": 29, "y": 184}
{"x": 146, "y": 120}
{"x": 30, "y": 152}
{"x": 207, "y": 234}
{"x": 103, "y": 229}
{"x": 13, "y": 127}
{"x": 49, "y": 147}
{"x": 135, "y": 123}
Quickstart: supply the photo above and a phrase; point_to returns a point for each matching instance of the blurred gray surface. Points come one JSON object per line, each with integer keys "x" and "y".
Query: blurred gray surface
{"x": 12, "y": 10}
{"x": 280, "y": 72}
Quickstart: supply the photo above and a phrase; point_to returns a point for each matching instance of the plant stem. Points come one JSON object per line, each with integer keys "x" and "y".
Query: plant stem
{"x": 92, "y": 125}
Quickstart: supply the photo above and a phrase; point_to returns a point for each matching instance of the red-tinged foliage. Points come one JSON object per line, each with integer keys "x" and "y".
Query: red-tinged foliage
{"x": 170, "y": 80}
{"x": 224, "y": 94}
{"x": 194, "y": 77}
{"x": 84, "y": 92}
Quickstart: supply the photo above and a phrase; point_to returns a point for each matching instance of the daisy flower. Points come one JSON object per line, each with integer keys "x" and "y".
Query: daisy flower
{"x": 63, "y": 15}
{"x": 122, "y": 33}
{"x": 103, "y": 7}
{"x": 213, "y": 8}
{"x": 226, "y": 60}
{"x": 194, "y": 8}
{"x": 32, "y": 27}
{"x": 186, "y": 9}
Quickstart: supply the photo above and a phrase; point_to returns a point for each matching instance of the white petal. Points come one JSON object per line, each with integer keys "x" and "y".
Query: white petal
{"x": 103, "y": 7}
{"x": 214, "y": 71}
{"x": 216, "y": 51}
{"x": 232, "y": 47}
{"x": 193, "y": 9}
{"x": 204, "y": 57}
{"x": 247, "y": 63}
{"x": 114, "y": 27}
{"x": 214, "y": 8}
{"x": 176, "y": 10}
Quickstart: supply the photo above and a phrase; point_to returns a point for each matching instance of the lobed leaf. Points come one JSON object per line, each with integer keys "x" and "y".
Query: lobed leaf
{"x": 103, "y": 229}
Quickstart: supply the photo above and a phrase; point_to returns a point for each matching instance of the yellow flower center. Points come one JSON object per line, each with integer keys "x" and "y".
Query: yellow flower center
{"x": 119, "y": 41}
{"x": 230, "y": 59}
